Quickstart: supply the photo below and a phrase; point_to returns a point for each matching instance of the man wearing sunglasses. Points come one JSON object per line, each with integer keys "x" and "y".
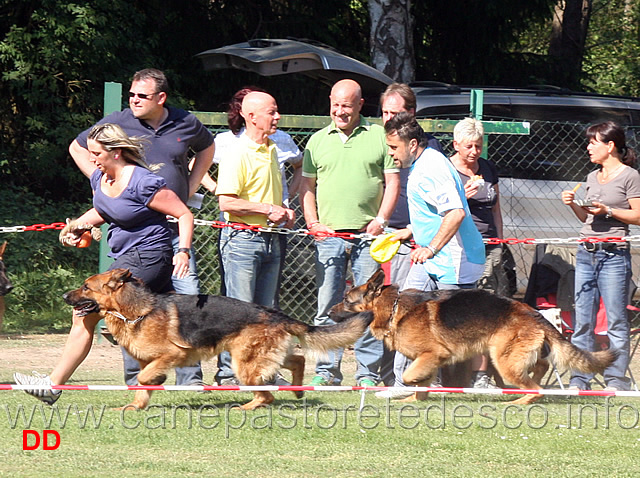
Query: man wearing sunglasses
{"x": 174, "y": 137}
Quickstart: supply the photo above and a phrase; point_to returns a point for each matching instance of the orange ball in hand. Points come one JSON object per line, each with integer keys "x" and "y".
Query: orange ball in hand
{"x": 85, "y": 239}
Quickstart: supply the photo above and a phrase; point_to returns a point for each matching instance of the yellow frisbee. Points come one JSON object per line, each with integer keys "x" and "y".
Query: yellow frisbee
{"x": 382, "y": 249}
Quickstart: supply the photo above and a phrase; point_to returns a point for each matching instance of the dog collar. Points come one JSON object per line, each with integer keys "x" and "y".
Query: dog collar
{"x": 126, "y": 321}
{"x": 393, "y": 312}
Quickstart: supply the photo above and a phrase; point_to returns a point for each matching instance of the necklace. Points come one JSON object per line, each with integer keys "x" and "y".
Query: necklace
{"x": 612, "y": 173}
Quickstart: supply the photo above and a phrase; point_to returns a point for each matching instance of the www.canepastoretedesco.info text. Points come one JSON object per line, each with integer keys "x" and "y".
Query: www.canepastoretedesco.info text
{"x": 441, "y": 414}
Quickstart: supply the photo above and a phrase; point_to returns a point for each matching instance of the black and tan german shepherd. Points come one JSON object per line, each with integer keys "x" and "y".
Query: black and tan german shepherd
{"x": 164, "y": 331}
{"x": 444, "y": 327}
{"x": 5, "y": 283}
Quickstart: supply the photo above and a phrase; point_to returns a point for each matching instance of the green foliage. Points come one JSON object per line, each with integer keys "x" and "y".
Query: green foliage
{"x": 56, "y": 55}
{"x": 35, "y": 304}
{"x": 469, "y": 42}
{"x": 54, "y": 58}
{"x": 40, "y": 268}
{"x": 613, "y": 46}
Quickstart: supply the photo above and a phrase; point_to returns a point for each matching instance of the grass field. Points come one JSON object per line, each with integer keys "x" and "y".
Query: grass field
{"x": 324, "y": 434}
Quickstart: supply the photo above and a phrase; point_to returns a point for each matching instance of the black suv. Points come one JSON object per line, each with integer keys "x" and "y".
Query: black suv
{"x": 544, "y": 103}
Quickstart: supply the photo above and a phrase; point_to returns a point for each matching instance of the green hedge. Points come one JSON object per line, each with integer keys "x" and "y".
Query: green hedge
{"x": 39, "y": 267}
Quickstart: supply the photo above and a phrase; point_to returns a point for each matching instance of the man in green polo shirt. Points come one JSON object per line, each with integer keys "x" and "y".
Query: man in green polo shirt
{"x": 350, "y": 185}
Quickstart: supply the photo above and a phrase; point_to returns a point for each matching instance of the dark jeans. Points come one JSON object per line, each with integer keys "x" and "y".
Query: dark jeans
{"x": 154, "y": 267}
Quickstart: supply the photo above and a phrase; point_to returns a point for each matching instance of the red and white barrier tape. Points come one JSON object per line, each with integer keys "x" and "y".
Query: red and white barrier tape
{"x": 310, "y": 388}
{"x": 305, "y": 232}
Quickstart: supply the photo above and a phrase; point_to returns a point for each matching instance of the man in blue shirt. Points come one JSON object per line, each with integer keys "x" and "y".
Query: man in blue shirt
{"x": 173, "y": 135}
{"x": 451, "y": 251}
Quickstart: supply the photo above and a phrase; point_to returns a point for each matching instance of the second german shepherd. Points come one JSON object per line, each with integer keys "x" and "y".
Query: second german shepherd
{"x": 448, "y": 326}
{"x": 164, "y": 331}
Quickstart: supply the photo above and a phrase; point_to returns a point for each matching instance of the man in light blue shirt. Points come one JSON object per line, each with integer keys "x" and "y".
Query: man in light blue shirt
{"x": 451, "y": 252}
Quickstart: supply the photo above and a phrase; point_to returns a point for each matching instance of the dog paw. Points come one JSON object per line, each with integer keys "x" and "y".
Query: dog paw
{"x": 416, "y": 397}
{"x": 130, "y": 406}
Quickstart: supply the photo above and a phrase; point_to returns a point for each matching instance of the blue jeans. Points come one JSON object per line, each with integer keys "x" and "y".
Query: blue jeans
{"x": 332, "y": 256}
{"x": 251, "y": 266}
{"x": 188, "y": 375}
{"x": 603, "y": 274}
{"x": 400, "y": 266}
{"x": 419, "y": 279}
{"x": 190, "y": 284}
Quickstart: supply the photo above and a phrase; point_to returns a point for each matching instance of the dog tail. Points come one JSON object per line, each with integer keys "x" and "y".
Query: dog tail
{"x": 322, "y": 338}
{"x": 565, "y": 355}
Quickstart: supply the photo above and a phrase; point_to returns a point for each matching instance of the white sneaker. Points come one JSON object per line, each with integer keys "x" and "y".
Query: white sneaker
{"x": 279, "y": 381}
{"x": 47, "y": 396}
{"x": 482, "y": 381}
{"x": 395, "y": 394}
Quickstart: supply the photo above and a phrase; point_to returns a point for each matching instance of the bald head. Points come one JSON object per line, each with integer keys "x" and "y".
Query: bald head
{"x": 261, "y": 116}
{"x": 347, "y": 88}
{"x": 255, "y": 100}
{"x": 346, "y": 103}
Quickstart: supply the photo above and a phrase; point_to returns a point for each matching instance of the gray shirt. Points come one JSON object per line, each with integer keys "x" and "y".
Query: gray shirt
{"x": 615, "y": 194}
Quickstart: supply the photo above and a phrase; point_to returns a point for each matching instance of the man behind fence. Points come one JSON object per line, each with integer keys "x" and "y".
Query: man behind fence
{"x": 344, "y": 168}
{"x": 173, "y": 136}
{"x": 250, "y": 192}
{"x": 451, "y": 252}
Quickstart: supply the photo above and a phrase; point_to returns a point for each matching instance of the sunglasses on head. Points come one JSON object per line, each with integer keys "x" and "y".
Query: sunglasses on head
{"x": 142, "y": 96}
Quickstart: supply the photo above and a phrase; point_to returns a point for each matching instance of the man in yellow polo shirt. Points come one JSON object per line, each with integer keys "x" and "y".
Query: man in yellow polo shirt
{"x": 250, "y": 192}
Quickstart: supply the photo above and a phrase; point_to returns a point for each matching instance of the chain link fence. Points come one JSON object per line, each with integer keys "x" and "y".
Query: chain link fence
{"x": 533, "y": 168}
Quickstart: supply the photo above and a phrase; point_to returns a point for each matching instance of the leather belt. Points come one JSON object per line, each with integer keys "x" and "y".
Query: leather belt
{"x": 604, "y": 246}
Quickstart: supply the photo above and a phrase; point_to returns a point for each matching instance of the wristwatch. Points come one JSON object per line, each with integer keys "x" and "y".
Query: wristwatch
{"x": 186, "y": 251}
{"x": 382, "y": 221}
{"x": 609, "y": 213}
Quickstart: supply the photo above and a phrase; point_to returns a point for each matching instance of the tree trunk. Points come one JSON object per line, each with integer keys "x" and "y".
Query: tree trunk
{"x": 568, "y": 36}
{"x": 392, "y": 38}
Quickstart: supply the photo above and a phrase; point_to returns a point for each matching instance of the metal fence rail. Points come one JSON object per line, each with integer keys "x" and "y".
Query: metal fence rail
{"x": 534, "y": 169}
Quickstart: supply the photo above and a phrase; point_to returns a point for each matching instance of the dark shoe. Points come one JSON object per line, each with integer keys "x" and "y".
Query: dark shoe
{"x": 199, "y": 384}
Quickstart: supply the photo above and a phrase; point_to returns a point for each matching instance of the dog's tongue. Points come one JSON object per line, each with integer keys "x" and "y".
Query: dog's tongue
{"x": 86, "y": 309}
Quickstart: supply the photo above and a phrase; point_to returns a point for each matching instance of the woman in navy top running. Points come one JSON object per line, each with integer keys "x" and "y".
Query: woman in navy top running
{"x": 135, "y": 203}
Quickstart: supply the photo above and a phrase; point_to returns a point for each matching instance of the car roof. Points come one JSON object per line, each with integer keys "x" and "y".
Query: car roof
{"x": 536, "y": 102}
{"x": 269, "y": 57}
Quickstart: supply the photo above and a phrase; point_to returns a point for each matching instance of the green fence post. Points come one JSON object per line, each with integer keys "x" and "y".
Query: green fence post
{"x": 477, "y": 105}
{"x": 477, "y": 102}
{"x": 112, "y": 102}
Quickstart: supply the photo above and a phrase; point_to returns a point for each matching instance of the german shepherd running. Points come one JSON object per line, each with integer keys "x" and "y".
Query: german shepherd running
{"x": 5, "y": 283}
{"x": 164, "y": 331}
{"x": 444, "y": 327}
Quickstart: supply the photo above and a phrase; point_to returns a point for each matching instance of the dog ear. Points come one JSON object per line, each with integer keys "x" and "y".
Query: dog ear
{"x": 2, "y": 248}
{"x": 119, "y": 277}
{"x": 375, "y": 283}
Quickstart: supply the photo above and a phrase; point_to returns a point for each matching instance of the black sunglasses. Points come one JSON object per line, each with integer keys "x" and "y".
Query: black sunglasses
{"x": 142, "y": 96}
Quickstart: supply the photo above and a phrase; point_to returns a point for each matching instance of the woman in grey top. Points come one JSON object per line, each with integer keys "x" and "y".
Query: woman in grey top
{"x": 603, "y": 269}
